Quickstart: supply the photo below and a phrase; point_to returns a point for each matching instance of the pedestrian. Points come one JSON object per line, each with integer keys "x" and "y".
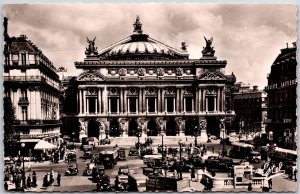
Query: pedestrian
{"x": 213, "y": 150}
{"x": 48, "y": 179}
{"x": 58, "y": 179}
{"x": 29, "y": 181}
{"x": 250, "y": 187}
{"x": 29, "y": 166}
{"x": 51, "y": 176}
{"x": 34, "y": 179}
{"x": 192, "y": 173}
{"x": 5, "y": 186}
{"x": 270, "y": 183}
{"x": 295, "y": 174}
{"x": 45, "y": 184}
{"x": 290, "y": 172}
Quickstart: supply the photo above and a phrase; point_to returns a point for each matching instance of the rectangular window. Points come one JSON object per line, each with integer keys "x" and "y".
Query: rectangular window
{"x": 23, "y": 57}
{"x": 211, "y": 103}
{"x": 151, "y": 104}
{"x": 132, "y": 104}
{"x": 189, "y": 104}
{"x": 114, "y": 105}
{"x": 92, "y": 104}
{"x": 170, "y": 104}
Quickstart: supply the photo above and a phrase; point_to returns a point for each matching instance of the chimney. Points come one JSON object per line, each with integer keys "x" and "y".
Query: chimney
{"x": 287, "y": 45}
{"x": 255, "y": 88}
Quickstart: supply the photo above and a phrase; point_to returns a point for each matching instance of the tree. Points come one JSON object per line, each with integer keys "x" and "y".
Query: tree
{"x": 11, "y": 137}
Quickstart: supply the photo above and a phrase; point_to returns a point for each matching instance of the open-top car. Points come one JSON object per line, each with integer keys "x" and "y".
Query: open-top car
{"x": 133, "y": 152}
{"x": 72, "y": 169}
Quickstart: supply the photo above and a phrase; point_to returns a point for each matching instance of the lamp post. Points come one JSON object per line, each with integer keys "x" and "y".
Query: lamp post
{"x": 73, "y": 134}
{"x": 196, "y": 135}
{"x": 23, "y": 174}
{"x": 162, "y": 144}
{"x": 138, "y": 134}
{"x": 223, "y": 151}
{"x": 180, "y": 162}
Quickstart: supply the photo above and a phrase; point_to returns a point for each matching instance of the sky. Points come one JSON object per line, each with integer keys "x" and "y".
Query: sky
{"x": 249, "y": 36}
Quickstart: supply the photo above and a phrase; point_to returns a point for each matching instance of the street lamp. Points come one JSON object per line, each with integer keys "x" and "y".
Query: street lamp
{"x": 73, "y": 137}
{"x": 23, "y": 174}
{"x": 223, "y": 151}
{"x": 196, "y": 135}
{"x": 180, "y": 162}
{"x": 138, "y": 134}
{"x": 162, "y": 144}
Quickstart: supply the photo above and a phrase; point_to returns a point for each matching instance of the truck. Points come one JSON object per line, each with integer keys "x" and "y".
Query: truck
{"x": 107, "y": 156}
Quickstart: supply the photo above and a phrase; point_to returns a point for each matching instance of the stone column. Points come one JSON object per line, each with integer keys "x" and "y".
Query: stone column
{"x": 174, "y": 103}
{"x": 215, "y": 103}
{"x": 109, "y": 106}
{"x": 87, "y": 106}
{"x": 162, "y": 100}
{"x": 182, "y": 107}
{"x": 158, "y": 100}
{"x": 218, "y": 99}
{"x": 121, "y": 100}
{"x": 144, "y": 105}
{"x": 197, "y": 100}
{"x": 178, "y": 100}
{"x": 99, "y": 100}
{"x": 80, "y": 101}
{"x": 84, "y": 102}
{"x": 104, "y": 100}
{"x": 125, "y": 102}
{"x": 140, "y": 100}
{"x": 204, "y": 100}
{"x": 96, "y": 105}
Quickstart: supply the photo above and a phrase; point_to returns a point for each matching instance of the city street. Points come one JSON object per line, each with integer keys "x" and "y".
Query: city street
{"x": 81, "y": 183}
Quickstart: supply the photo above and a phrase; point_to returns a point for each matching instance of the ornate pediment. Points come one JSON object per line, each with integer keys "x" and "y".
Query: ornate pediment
{"x": 91, "y": 77}
{"x": 212, "y": 76}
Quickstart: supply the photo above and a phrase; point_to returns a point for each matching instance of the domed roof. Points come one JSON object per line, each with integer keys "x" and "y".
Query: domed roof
{"x": 141, "y": 46}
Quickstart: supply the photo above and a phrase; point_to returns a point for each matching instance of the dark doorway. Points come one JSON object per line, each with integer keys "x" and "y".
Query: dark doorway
{"x": 171, "y": 127}
{"x": 93, "y": 128}
{"x": 152, "y": 128}
{"x": 213, "y": 126}
{"x": 114, "y": 128}
{"x": 132, "y": 127}
{"x": 189, "y": 126}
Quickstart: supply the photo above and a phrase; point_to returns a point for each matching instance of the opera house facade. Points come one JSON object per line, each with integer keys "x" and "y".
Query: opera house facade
{"x": 142, "y": 85}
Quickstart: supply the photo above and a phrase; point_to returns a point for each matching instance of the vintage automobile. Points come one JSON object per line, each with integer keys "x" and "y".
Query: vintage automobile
{"x": 97, "y": 172}
{"x": 121, "y": 183}
{"x": 123, "y": 170}
{"x": 219, "y": 163}
{"x": 103, "y": 183}
{"x": 122, "y": 154}
{"x": 255, "y": 157}
{"x": 72, "y": 169}
{"x": 88, "y": 169}
{"x": 71, "y": 157}
{"x": 87, "y": 149}
{"x": 104, "y": 141}
{"x": 133, "y": 152}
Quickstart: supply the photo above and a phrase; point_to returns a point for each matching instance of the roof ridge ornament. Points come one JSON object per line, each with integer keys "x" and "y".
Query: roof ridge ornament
{"x": 91, "y": 49}
{"x": 137, "y": 26}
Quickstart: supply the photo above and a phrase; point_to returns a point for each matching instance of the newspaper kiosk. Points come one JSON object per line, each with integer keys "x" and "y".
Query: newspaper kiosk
{"x": 243, "y": 175}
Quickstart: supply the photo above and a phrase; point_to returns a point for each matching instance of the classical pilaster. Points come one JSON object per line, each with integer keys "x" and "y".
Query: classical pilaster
{"x": 163, "y": 101}
{"x": 182, "y": 107}
{"x": 99, "y": 100}
{"x": 104, "y": 100}
{"x": 125, "y": 102}
{"x": 38, "y": 104}
{"x": 87, "y": 105}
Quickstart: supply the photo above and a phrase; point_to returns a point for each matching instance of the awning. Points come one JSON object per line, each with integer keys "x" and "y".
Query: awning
{"x": 44, "y": 145}
{"x": 29, "y": 140}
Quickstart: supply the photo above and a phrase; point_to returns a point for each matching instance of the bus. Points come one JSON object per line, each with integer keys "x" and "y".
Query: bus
{"x": 241, "y": 150}
{"x": 283, "y": 155}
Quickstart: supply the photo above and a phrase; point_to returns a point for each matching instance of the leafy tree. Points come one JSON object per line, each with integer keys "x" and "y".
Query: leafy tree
{"x": 11, "y": 137}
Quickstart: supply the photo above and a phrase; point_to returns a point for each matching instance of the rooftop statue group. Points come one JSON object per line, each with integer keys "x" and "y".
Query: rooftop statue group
{"x": 91, "y": 49}
{"x": 208, "y": 50}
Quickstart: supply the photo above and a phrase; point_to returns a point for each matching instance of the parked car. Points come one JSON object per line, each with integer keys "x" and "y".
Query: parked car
{"x": 122, "y": 154}
{"x": 88, "y": 169}
{"x": 123, "y": 170}
{"x": 72, "y": 169}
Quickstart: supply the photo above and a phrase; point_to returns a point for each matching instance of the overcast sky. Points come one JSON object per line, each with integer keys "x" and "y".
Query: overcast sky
{"x": 249, "y": 37}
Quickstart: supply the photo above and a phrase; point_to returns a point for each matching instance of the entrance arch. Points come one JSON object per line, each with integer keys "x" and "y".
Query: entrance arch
{"x": 114, "y": 128}
{"x": 189, "y": 127}
{"x": 171, "y": 127}
{"x": 93, "y": 128}
{"x": 132, "y": 127}
{"x": 152, "y": 128}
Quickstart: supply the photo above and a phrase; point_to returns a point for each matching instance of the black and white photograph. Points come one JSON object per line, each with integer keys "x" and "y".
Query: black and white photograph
{"x": 149, "y": 97}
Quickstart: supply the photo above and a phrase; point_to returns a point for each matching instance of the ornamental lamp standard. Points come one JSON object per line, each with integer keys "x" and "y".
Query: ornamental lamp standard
{"x": 196, "y": 135}
{"x": 23, "y": 155}
{"x": 138, "y": 134}
{"x": 162, "y": 144}
{"x": 73, "y": 137}
{"x": 180, "y": 143}
{"x": 223, "y": 151}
